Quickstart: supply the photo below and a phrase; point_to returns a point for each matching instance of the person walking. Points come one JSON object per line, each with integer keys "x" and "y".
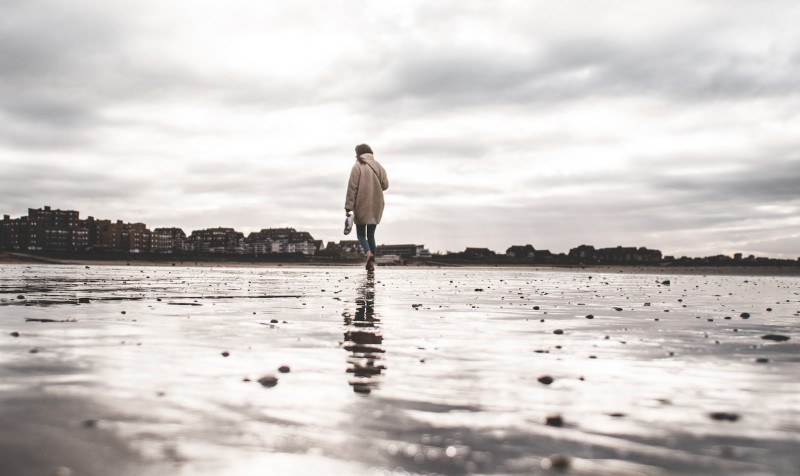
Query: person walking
{"x": 368, "y": 180}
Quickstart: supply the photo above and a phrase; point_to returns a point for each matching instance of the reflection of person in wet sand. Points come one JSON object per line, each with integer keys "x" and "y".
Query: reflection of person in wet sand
{"x": 365, "y": 189}
{"x": 363, "y": 340}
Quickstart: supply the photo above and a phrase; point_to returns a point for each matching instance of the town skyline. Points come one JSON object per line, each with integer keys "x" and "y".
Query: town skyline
{"x": 139, "y": 237}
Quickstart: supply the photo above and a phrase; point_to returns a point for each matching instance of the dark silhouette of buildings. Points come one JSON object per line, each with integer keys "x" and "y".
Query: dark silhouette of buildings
{"x": 48, "y": 230}
{"x": 63, "y": 231}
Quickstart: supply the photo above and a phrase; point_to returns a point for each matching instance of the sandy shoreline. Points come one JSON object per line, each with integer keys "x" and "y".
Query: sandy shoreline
{"x": 20, "y": 258}
{"x": 136, "y": 370}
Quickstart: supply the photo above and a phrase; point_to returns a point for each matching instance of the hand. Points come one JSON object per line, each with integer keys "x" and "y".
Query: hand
{"x": 347, "y": 211}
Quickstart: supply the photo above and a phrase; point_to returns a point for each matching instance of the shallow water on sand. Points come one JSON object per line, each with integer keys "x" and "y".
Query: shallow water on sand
{"x": 155, "y": 370}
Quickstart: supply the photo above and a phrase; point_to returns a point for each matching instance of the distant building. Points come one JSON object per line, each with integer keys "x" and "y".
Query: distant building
{"x": 520, "y": 252}
{"x": 167, "y": 240}
{"x": 215, "y": 241}
{"x": 351, "y": 246}
{"x": 404, "y": 251}
{"x": 13, "y": 233}
{"x": 286, "y": 240}
{"x": 55, "y": 230}
{"x": 136, "y": 238}
{"x": 478, "y": 253}
{"x": 583, "y": 254}
{"x": 388, "y": 259}
{"x": 629, "y": 255}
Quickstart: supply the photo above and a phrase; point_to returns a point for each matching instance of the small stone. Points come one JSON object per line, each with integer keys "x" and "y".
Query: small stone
{"x": 557, "y": 462}
{"x": 268, "y": 381}
{"x": 478, "y": 289}
{"x": 769, "y": 309}
{"x": 535, "y": 308}
{"x": 545, "y": 379}
{"x": 775, "y": 337}
{"x": 35, "y": 350}
{"x": 666, "y": 282}
{"x": 123, "y": 312}
{"x": 724, "y": 416}
{"x": 745, "y": 315}
{"x": 20, "y": 297}
{"x": 558, "y": 331}
{"x": 554, "y": 420}
{"x": 90, "y": 423}
{"x": 284, "y": 369}
{"x": 225, "y": 353}
{"x": 84, "y": 300}
{"x": 618, "y": 309}
{"x": 14, "y": 334}
{"x": 762, "y": 360}
{"x": 589, "y": 316}
{"x": 273, "y": 321}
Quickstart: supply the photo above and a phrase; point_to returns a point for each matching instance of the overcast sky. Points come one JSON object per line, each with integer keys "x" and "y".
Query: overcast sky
{"x": 668, "y": 124}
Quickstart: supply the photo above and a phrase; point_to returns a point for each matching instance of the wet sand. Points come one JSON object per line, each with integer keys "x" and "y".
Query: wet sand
{"x": 134, "y": 370}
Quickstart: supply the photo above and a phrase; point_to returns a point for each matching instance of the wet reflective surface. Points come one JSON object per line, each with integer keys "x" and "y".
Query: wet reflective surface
{"x": 251, "y": 371}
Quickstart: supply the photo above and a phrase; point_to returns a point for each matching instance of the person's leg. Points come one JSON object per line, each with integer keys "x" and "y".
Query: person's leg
{"x": 371, "y": 239}
{"x": 361, "y": 234}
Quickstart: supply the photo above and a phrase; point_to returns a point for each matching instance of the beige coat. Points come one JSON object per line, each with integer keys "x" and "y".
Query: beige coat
{"x": 368, "y": 180}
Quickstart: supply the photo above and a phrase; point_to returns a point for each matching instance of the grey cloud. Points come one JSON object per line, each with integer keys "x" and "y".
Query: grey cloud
{"x": 28, "y": 185}
{"x": 768, "y": 181}
{"x": 684, "y": 69}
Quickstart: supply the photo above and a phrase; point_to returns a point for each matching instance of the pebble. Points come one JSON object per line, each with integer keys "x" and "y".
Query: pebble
{"x": 589, "y": 316}
{"x": 618, "y": 309}
{"x": 545, "y": 379}
{"x": 284, "y": 369}
{"x": 558, "y": 462}
{"x": 90, "y": 423}
{"x": 20, "y": 297}
{"x": 762, "y": 360}
{"x": 666, "y": 282}
{"x": 554, "y": 420}
{"x": 558, "y": 331}
{"x": 745, "y": 315}
{"x": 724, "y": 416}
{"x": 775, "y": 337}
{"x": 14, "y": 334}
{"x": 268, "y": 381}
{"x": 225, "y": 353}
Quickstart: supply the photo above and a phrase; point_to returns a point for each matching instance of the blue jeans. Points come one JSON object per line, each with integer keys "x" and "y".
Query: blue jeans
{"x": 366, "y": 237}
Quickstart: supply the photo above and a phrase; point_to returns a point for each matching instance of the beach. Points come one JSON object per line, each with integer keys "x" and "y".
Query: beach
{"x": 232, "y": 370}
